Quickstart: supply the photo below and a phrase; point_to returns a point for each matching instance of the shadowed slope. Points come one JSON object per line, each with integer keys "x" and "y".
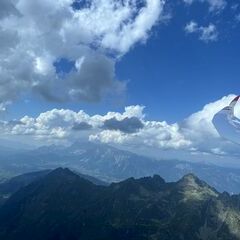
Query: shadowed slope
{"x": 62, "y": 205}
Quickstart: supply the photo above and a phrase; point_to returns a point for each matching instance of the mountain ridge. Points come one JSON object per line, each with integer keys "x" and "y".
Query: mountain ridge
{"x": 12, "y": 185}
{"x": 135, "y": 209}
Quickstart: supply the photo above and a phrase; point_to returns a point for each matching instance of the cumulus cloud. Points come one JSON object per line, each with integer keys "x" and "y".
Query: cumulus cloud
{"x": 195, "y": 135}
{"x": 206, "y": 34}
{"x": 128, "y": 127}
{"x": 64, "y": 123}
{"x": 34, "y": 35}
{"x": 214, "y": 5}
{"x": 156, "y": 134}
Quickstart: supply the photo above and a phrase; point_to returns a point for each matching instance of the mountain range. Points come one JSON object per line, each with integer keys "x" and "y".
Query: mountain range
{"x": 110, "y": 164}
{"x": 63, "y": 205}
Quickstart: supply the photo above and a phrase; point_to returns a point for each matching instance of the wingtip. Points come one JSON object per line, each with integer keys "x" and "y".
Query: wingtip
{"x": 235, "y": 99}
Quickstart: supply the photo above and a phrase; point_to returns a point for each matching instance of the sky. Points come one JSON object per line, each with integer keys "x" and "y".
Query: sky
{"x": 144, "y": 75}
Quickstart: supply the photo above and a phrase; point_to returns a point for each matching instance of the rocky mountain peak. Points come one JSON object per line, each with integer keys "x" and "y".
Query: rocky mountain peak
{"x": 193, "y": 188}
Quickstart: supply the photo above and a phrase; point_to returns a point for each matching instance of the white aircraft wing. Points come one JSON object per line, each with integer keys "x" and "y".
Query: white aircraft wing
{"x": 227, "y": 125}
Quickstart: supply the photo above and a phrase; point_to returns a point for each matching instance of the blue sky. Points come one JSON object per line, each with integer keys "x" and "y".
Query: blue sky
{"x": 164, "y": 68}
{"x": 174, "y": 73}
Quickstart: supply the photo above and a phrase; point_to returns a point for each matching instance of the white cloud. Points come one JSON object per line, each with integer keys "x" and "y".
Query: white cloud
{"x": 36, "y": 34}
{"x": 60, "y": 124}
{"x": 209, "y": 33}
{"x": 195, "y": 135}
{"x": 104, "y": 19}
{"x": 206, "y": 34}
{"x": 198, "y": 128}
{"x": 191, "y": 27}
{"x": 154, "y": 134}
{"x": 214, "y": 5}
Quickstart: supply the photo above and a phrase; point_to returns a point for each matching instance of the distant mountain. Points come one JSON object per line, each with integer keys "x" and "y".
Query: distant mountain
{"x": 12, "y": 185}
{"x": 110, "y": 164}
{"x": 62, "y": 205}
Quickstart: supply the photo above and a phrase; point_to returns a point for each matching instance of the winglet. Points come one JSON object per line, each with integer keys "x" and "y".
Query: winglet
{"x": 234, "y": 101}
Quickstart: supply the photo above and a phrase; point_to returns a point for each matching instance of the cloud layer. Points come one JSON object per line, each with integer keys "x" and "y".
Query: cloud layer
{"x": 35, "y": 35}
{"x": 196, "y": 134}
